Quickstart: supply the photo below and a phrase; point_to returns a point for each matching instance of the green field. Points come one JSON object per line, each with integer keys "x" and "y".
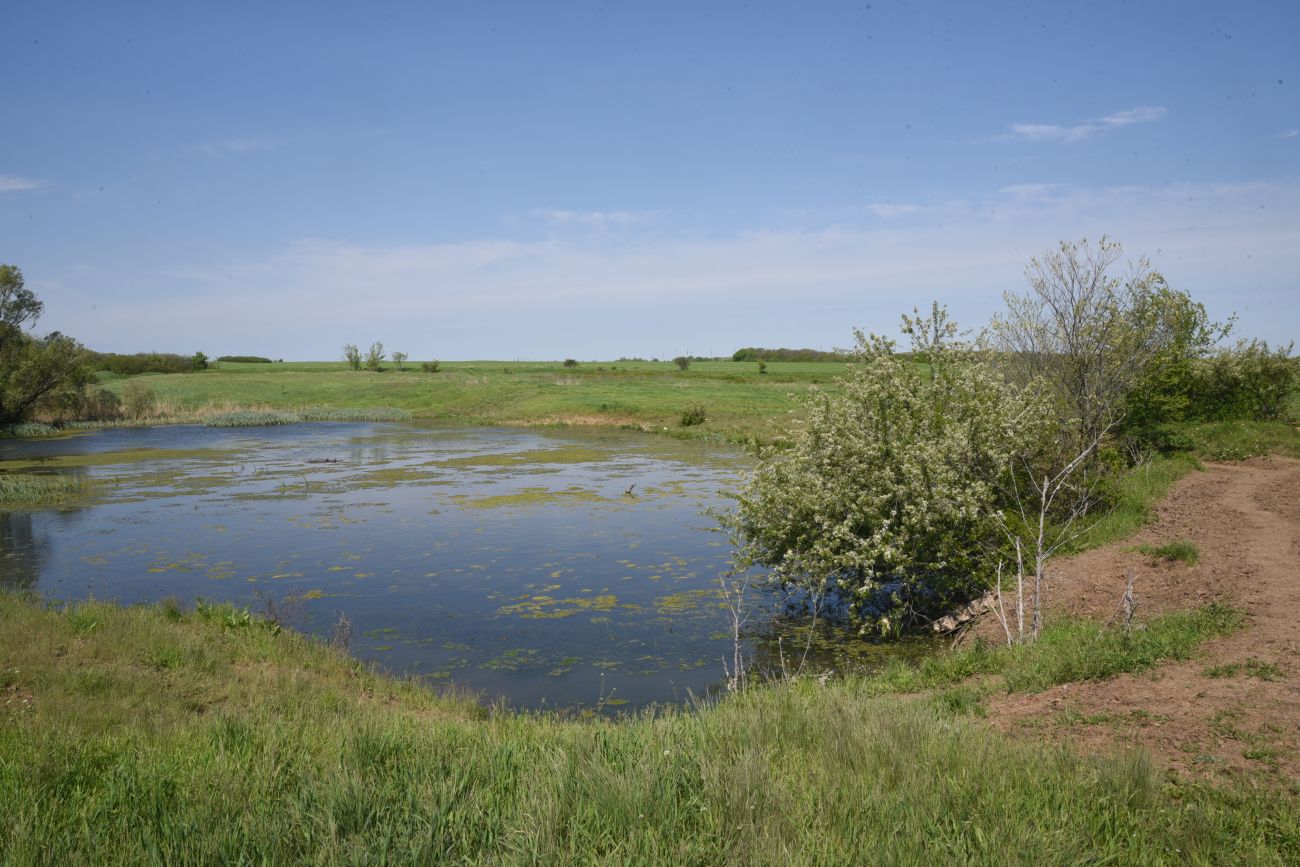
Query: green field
{"x": 740, "y": 403}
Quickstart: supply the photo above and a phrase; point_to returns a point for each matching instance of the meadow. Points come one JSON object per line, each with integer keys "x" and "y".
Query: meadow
{"x": 165, "y": 734}
{"x": 740, "y": 403}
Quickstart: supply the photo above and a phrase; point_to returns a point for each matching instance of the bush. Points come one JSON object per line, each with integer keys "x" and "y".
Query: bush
{"x": 138, "y": 401}
{"x": 1246, "y": 382}
{"x": 570, "y": 362}
{"x": 246, "y": 359}
{"x": 693, "y": 415}
{"x": 352, "y": 355}
{"x": 97, "y": 404}
{"x": 375, "y": 357}
{"x": 430, "y": 366}
{"x": 682, "y": 362}
{"x": 888, "y": 496}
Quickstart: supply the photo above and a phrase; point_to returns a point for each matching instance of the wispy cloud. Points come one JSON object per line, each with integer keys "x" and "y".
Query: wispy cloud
{"x": 14, "y": 184}
{"x": 1085, "y": 129}
{"x": 238, "y": 146}
{"x": 648, "y": 293}
{"x": 1288, "y": 133}
{"x": 894, "y": 210}
{"x": 595, "y": 219}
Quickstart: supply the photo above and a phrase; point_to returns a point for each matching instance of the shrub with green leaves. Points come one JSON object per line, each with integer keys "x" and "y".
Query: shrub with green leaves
{"x": 694, "y": 414}
{"x": 889, "y": 492}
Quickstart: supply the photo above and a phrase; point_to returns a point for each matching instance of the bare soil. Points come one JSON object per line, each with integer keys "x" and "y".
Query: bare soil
{"x": 1234, "y": 709}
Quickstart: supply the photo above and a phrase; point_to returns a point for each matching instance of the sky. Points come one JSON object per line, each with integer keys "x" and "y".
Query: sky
{"x": 599, "y": 180}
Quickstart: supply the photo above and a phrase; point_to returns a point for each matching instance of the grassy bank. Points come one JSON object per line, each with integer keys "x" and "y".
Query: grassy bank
{"x": 740, "y": 402}
{"x": 153, "y": 735}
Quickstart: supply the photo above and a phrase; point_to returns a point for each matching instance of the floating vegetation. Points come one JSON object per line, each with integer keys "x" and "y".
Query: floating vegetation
{"x": 560, "y": 455}
{"x": 687, "y": 600}
{"x": 514, "y": 660}
{"x": 530, "y": 497}
{"x": 544, "y": 607}
{"x": 110, "y": 458}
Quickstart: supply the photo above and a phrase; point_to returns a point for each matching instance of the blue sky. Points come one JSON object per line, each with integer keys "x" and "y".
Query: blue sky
{"x": 542, "y": 180}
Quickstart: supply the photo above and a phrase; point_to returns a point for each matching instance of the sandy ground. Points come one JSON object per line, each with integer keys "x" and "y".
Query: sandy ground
{"x": 1245, "y": 520}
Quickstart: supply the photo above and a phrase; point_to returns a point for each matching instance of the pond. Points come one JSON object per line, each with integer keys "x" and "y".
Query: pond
{"x": 543, "y": 569}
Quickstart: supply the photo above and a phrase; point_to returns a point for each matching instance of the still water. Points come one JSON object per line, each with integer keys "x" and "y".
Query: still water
{"x": 544, "y": 569}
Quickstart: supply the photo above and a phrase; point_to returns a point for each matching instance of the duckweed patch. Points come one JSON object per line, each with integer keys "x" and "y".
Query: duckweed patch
{"x": 561, "y": 455}
{"x": 111, "y": 458}
{"x": 529, "y": 497}
{"x": 543, "y": 607}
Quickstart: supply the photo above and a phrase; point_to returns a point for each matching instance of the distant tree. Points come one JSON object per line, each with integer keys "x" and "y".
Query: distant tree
{"x": 352, "y": 355}
{"x": 375, "y": 356}
{"x": 200, "y": 361}
{"x": 34, "y": 372}
{"x": 399, "y": 358}
{"x": 570, "y": 362}
{"x": 682, "y": 362}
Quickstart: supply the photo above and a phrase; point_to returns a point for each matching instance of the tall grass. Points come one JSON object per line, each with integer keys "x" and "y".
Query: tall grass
{"x": 156, "y": 735}
{"x": 19, "y": 490}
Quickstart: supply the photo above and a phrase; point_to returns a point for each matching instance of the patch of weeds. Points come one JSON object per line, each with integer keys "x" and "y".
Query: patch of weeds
{"x": 961, "y": 701}
{"x": 1137, "y": 716}
{"x": 1179, "y": 549}
{"x": 694, "y": 414}
{"x": 1252, "y": 667}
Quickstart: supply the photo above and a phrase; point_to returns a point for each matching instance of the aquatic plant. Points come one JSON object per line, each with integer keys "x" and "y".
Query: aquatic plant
{"x": 28, "y": 489}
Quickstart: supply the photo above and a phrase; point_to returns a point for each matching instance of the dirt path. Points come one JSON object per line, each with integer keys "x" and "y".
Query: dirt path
{"x": 1237, "y": 707}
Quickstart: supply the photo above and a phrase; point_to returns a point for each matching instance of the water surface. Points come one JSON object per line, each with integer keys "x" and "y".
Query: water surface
{"x": 541, "y": 568}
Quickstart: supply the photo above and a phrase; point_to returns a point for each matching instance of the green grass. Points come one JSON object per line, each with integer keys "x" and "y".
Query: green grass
{"x": 1179, "y": 549}
{"x": 22, "y": 490}
{"x": 156, "y": 735}
{"x": 264, "y": 418}
{"x": 1068, "y": 650}
{"x": 739, "y": 403}
{"x": 1239, "y": 440}
{"x": 1252, "y": 667}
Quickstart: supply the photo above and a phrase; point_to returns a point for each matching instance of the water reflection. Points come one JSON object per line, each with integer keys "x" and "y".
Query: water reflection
{"x": 21, "y": 552}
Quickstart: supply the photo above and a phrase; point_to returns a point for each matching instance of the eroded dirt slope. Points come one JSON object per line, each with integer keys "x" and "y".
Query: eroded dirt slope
{"x": 1235, "y": 707}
